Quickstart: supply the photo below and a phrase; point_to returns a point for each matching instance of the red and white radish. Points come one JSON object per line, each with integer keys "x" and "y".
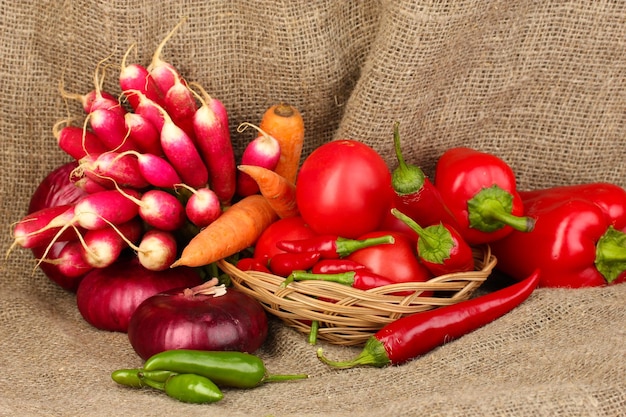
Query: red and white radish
{"x": 163, "y": 73}
{"x": 68, "y": 260}
{"x": 203, "y": 206}
{"x": 160, "y": 209}
{"x": 148, "y": 109}
{"x": 143, "y": 134}
{"x": 112, "y": 169}
{"x": 263, "y": 151}
{"x": 155, "y": 170}
{"x": 88, "y": 185}
{"x": 214, "y": 143}
{"x": 157, "y": 250}
{"x": 111, "y": 129}
{"x": 76, "y": 141}
{"x": 102, "y": 247}
{"x": 107, "y": 297}
{"x": 136, "y": 77}
{"x": 182, "y": 153}
{"x": 35, "y": 228}
{"x": 96, "y": 98}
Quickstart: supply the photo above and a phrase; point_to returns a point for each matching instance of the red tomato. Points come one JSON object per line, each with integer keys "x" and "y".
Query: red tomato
{"x": 290, "y": 228}
{"x": 396, "y": 261}
{"x": 344, "y": 189}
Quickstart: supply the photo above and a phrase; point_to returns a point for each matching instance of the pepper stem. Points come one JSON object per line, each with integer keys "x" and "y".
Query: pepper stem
{"x": 490, "y": 210}
{"x": 345, "y": 246}
{"x": 373, "y": 354}
{"x": 344, "y": 278}
{"x": 280, "y": 378}
{"x": 435, "y": 242}
{"x": 611, "y": 254}
{"x": 406, "y": 179}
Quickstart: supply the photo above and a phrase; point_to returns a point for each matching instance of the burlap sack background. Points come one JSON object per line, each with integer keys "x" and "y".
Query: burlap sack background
{"x": 542, "y": 84}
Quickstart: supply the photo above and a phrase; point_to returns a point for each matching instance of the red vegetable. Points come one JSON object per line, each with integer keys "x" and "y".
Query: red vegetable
{"x": 440, "y": 247}
{"x": 252, "y": 264}
{"x": 107, "y": 297}
{"x": 480, "y": 190}
{"x": 396, "y": 261}
{"x": 578, "y": 239}
{"x": 292, "y": 228}
{"x": 415, "y": 194}
{"x": 414, "y": 335}
{"x": 361, "y": 279}
{"x": 344, "y": 189}
{"x": 283, "y": 264}
{"x": 333, "y": 266}
{"x": 197, "y": 318}
{"x": 331, "y": 246}
{"x": 54, "y": 190}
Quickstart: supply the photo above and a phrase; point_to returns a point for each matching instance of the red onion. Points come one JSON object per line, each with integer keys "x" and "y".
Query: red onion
{"x": 107, "y": 297}
{"x": 193, "y": 319}
{"x": 56, "y": 189}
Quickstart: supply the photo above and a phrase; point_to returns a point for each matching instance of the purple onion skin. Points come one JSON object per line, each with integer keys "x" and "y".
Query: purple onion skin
{"x": 54, "y": 190}
{"x": 107, "y": 297}
{"x": 171, "y": 320}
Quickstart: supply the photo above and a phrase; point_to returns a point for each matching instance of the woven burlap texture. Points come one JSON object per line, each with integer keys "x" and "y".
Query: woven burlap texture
{"x": 541, "y": 84}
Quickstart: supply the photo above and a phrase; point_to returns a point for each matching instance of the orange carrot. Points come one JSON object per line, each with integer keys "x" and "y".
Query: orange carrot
{"x": 277, "y": 190}
{"x": 236, "y": 229}
{"x": 285, "y": 124}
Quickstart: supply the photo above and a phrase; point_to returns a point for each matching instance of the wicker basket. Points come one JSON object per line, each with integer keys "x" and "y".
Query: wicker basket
{"x": 348, "y": 316}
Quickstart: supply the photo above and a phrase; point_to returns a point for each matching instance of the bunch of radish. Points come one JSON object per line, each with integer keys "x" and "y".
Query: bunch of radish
{"x": 154, "y": 166}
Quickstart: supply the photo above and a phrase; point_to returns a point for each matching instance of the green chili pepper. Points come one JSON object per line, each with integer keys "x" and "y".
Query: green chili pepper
{"x": 226, "y": 369}
{"x": 192, "y": 388}
{"x": 137, "y": 377}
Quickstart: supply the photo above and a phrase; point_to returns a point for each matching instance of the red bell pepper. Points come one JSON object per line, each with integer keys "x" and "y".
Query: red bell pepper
{"x": 411, "y": 336}
{"x": 415, "y": 194}
{"x": 578, "y": 239}
{"x": 480, "y": 190}
{"x": 440, "y": 247}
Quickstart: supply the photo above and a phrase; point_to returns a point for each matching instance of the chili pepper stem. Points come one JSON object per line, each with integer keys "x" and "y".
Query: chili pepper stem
{"x": 284, "y": 377}
{"x": 407, "y": 179}
{"x": 490, "y": 210}
{"x": 611, "y": 254}
{"x": 315, "y": 326}
{"x": 347, "y": 246}
{"x": 373, "y": 354}
{"x": 435, "y": 242}
{"x": 344, "y": 278}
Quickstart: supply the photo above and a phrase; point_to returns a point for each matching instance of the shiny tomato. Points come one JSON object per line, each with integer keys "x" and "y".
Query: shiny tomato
{"x": 396, "y": 261}
{"x": 344, "y": 189}
{"x": 289, "y": 228}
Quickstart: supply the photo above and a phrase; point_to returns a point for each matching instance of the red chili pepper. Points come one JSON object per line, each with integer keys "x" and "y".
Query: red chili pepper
{"x": 361, "y": 279}
{"x": 578, "y": 239}
{"x": 283, "y": 264}
{"x": 331, "y": 246}
{"x": 440, "y": 247}
{"x": 480, "y": 190}
{"x": 333, "y": 266}
{"x": 416, "y": 195}
{"x": 252, "y": 264}
{"x": 411, "y": 336}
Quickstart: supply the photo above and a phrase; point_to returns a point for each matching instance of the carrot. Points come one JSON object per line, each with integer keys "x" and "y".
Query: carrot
{"x": 285, "y": 124}
{"x": 277, "y": 190}
{"x": 236, "y": 229}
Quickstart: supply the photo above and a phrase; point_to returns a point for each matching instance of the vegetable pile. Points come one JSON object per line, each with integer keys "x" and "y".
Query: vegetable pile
{"x": 154, "y": 196}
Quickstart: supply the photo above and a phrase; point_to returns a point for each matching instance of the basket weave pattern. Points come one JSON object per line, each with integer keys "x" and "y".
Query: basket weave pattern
{"x": 348, "y": 316}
